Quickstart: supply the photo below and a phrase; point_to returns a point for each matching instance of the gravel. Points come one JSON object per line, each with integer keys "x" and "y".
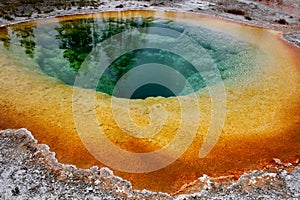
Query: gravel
{"x": 294, "y": 38}
{"x": 285, "y": 18}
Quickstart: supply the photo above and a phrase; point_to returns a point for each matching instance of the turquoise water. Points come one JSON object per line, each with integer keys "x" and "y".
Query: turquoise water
{"x": 60, "y": 49}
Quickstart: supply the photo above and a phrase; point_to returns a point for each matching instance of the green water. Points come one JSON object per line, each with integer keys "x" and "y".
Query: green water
{"x": 60, "y": 48}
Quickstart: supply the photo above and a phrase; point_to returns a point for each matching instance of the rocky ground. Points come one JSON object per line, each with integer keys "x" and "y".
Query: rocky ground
{"x": 30, "y": 171}
{"x": 279, "y": 15}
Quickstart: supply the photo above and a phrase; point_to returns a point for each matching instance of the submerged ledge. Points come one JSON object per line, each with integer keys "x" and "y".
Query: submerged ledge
{"x": 30, "y": 170}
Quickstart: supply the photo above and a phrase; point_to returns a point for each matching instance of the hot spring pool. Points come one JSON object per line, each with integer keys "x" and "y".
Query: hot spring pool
{"x": 160, "y": 97}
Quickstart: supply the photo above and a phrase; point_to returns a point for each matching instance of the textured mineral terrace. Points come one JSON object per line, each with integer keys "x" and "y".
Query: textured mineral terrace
{"x": 31, "y": 171}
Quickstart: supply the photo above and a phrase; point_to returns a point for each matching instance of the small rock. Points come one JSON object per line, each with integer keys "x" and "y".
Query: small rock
{"x": 120, "y": 6}
{"x": 277, "y": 161}
{"x": 282, "y": 21}
{"x": 15, "y": 192}
{"x": 248, "y": 18}
{"x": 97, "y": 182}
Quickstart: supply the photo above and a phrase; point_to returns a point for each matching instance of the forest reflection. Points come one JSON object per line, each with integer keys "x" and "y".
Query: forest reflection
{"x": 78, "y": 37}
{"x": 61, "y": 49}
{"x": 4, "y": 37}
{"x": 25, "y": 33}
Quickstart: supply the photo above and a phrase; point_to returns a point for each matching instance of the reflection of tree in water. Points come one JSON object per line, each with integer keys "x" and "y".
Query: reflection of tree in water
{"x": 27, "y": 38}
{"x": 78, "y": 37}
{"x": 4, "y": 37}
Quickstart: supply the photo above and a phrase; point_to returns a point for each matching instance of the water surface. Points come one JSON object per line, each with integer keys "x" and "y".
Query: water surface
{"x": 59, "y": 49}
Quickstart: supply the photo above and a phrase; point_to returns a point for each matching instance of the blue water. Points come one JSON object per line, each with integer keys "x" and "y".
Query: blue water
{"x": 60, "y": 49}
